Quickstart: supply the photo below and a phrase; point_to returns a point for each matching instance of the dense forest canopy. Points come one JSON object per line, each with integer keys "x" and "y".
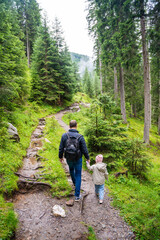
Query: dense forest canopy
{"x": 36, "y": 64}
{"x": 127, "y": 38}
{"x": 35, "y": 61}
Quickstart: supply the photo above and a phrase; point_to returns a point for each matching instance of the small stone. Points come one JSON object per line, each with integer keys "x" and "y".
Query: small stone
{"x": 70, "y": 203}
{"x": 103, "y": 225}
{"x": 46, "y": 140}
{"x": 58, "y": 211}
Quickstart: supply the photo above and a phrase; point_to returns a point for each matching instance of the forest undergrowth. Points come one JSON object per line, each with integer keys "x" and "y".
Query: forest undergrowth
{"x": 137, "y": 194}
{"x": 25, "y": 119}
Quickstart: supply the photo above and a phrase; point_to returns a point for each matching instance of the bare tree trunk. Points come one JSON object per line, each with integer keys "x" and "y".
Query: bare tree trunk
{"x": 134, "y": 110}
{"x": 147, "y": 85}
{"x": 28, "y": 50}
{"x": 115, "y": 84}
{"x": 150, "y": 103}
{"x": 100, "y": 72}
{"x": 122, "y": 93}
{"x": 159, "y": 111}
{"x": 131, "y": 115}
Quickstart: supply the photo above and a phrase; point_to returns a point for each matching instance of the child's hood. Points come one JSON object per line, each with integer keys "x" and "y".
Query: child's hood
{"x": 101, "y": 167}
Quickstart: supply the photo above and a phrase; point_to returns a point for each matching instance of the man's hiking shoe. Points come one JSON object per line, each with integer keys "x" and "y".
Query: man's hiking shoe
{"x": 100, "y": 201}
{"x": 78, "y": 198}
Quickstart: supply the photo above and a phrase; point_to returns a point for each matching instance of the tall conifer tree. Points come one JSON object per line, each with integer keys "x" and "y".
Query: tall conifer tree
{"x": 30, "y": 20}
{"x": 13, "y": 83}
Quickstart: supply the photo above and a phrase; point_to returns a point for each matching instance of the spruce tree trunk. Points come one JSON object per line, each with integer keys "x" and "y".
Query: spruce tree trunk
{"x": 28, "y": 50}
{"x": 115, "y": 84}
{"x": 100, "y": 72}
{"x": 134, "y": 110}
{"x": 147, "y": 85}
{"x": 150, "y": 103}
{"x": 159, "y": 111}
{"x": 122, "y": 93}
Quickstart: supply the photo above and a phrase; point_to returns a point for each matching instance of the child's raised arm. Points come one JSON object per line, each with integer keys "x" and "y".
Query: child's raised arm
{"x": 88, "y": 166}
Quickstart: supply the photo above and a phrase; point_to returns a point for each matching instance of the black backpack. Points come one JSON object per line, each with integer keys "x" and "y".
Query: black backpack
{"x": 71, "y": 150}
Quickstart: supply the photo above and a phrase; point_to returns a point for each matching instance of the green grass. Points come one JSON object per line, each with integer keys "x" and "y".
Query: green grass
{"x": 91, "y": 234}
{"x": 139, "y": 204}
{"x": 11, "y": 155}
{"x": 81, "y": 97}
{"x": 8, "y": 219}
{"x": 11, "y": 152}
{"x": 138, "y": 200}
{"x": 54, "y": 173}
{"x": 78, "y": 116}
{"x": 136, "y": 127}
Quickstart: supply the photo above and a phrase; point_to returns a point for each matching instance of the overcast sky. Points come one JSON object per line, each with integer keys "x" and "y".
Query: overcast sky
{"x": 72, "y": 16}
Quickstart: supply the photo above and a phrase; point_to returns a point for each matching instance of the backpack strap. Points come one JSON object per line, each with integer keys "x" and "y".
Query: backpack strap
{"x": 67, "y": 134}
{"x": 74, "y": 137}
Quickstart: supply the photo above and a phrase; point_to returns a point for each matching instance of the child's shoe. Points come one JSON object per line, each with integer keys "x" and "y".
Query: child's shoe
{"x": 100, "y": 201}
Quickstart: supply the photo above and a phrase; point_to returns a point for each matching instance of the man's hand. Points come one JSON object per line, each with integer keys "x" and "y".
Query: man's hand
{"x": 61, "y": 160}
{"x": 88, "y": 161}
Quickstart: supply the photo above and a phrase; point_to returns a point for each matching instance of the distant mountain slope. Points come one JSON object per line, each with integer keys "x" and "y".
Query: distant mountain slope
{"x": 83, "y": 61}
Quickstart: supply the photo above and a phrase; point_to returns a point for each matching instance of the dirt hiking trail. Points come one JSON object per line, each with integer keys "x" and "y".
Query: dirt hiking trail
{"x": 33, "y": 204}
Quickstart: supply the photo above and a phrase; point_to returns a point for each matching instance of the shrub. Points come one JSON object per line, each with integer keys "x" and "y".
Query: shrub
{"x": 136, "y": 159}
{"x": 105, "y": 134}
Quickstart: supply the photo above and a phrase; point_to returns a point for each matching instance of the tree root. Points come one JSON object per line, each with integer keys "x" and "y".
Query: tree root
{"x": 40, "y": 157}
{"x": 82, "y": 202}
{"x": 20, "y": 175}
{"x": 34, "y": 183}
{"x": 37, "y": 167}
{"x": 29, "y": 178}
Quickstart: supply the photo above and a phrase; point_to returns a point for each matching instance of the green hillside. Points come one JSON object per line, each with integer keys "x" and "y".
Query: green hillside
{"x": 137, "y": 193}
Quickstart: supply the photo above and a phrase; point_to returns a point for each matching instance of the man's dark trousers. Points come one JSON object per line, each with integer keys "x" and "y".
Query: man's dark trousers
{"x": 75, "y": 168}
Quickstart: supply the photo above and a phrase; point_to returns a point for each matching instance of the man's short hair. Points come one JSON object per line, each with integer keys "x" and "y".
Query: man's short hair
{"x": 73, "y": 123}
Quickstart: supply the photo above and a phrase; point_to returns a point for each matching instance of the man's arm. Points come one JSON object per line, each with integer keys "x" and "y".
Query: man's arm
{"x": 61, "y": 148}
{"x": 83, "y": 148}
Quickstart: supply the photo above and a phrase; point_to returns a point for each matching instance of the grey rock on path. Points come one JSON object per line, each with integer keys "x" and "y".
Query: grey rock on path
{"x": 34, "y": 208}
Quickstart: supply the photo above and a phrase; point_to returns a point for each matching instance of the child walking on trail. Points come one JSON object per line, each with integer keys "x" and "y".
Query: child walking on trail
{"x": 99, "y": 174}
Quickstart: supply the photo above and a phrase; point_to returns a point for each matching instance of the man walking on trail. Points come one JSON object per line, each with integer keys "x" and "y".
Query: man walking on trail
{"x": 73, "y": 146}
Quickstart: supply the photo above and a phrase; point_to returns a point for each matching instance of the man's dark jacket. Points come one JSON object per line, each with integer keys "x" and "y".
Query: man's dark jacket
{"x": 82, "y": 143}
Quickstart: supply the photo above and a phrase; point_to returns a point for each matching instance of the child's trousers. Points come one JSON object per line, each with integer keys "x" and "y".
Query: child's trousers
{"x": 99, "y": 189}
